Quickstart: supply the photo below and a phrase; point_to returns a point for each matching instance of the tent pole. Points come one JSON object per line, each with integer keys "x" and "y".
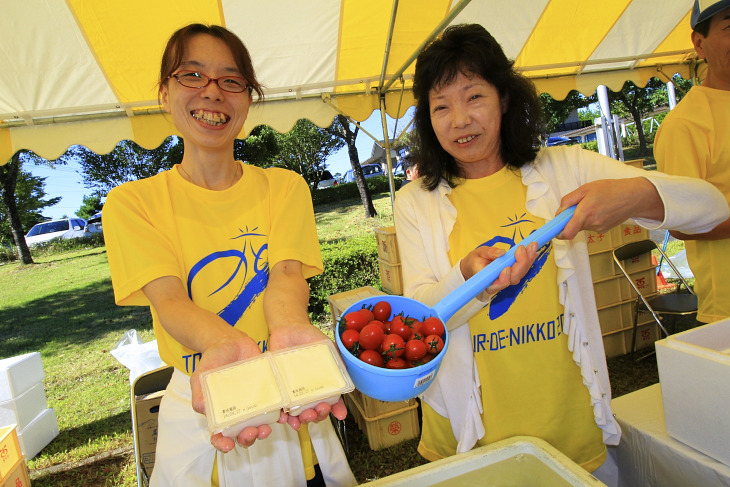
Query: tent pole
{"x": 386, "y": 146}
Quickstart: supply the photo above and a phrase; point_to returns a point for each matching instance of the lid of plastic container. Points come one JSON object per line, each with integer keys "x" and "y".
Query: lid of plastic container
{"x": 244, "y": 393}
{"x": 311, "y": 374}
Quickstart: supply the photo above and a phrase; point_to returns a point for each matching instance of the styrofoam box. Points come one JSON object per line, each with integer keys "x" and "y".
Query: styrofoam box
{"x": 18, "y": 374}
{"x": 694, "y": 372}
{"x": 24, "y": 408}
{"x": 519, "y": 460}
{"x": 39, "y": 433}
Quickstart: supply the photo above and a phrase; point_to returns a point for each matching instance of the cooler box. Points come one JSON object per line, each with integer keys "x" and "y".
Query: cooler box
{"x": 520, "y": 460}
{"x": 22, "y": 410}
{"x": 694, "y": 372}
{"x": 18, "y": 374}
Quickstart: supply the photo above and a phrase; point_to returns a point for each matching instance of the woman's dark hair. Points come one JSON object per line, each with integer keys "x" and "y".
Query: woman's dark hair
{"x": 175, "y": 50}
{"x": 471, "y": 50}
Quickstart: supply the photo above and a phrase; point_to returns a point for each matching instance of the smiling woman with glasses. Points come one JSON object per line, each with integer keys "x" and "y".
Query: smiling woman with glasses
{"x": 220, "y": 250}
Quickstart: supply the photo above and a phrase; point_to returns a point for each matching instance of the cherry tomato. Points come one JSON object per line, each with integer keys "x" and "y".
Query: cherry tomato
{"x": 355, "y": 320}
{"x": 434, "y": 343}
{"x": 381, "y": 311}
{"x": 415, "y": 349}
{"x": 423, "y": 360}
{"x": 351, "y": 340}
{"x": 393, "y": 346}
{"x": 433, "y": 326}
{"x": 379, "y": 323}
{"x": 396, "y": 363}
{"x": 372, "y": 357}
{"x": 417, "y": 326}
{"x": 367, "y": 314}
{"x": 417, "y": 335}
{"x": 371, "y": 336}
{"x": 400, "y": 327}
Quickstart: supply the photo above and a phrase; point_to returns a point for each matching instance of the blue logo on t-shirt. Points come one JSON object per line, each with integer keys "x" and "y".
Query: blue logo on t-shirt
{"x": 251, "y": 288}
{"x": 504, "y": 299}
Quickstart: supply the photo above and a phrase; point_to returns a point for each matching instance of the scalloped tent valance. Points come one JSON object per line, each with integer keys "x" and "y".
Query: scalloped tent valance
{"x": 84, "y": 72}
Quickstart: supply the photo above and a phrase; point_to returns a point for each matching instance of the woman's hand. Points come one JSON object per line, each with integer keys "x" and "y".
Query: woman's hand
{"x": 319, "y": 413}
{"x": 480, "y": 257}
{"x": 233, "y": 348}
{"x": 603, "y": 204}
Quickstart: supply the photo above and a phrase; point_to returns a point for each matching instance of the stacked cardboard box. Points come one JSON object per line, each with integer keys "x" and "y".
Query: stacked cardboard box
{"x": 23, "y": 403}
{"x": 384, "y": 423}
{"x": 341, "y": 301}
{"x": 147, "y": 409}
{"x": 391, "y": 275}
{"x": 615, "y": 297}
{"x": 13, "y": 472}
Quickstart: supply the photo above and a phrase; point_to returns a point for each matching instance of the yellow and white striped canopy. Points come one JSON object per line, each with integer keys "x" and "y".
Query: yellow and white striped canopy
{"x": 84, "y": 71}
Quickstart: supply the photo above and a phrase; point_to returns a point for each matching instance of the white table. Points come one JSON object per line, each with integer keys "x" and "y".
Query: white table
{"x": 648, "y": 456}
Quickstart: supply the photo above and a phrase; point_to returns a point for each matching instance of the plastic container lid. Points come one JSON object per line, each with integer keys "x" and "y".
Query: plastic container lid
{"x": 246, "y": 393}
{"x": 311, "y": 374}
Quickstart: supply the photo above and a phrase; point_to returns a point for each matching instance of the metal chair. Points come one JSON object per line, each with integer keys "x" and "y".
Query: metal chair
{"x": 673, "y": 304}
{"x": 147, "y": 383}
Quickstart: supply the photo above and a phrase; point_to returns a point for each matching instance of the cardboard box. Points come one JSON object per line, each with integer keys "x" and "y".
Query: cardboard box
{"x": 391, "y": 277}
{"x": 341, "y": 301}
{"x": 372, "y": 407}
{"x": 38, "y": 434}
{"x": 23, "y": 409}
{"x": 17, "y": 478}
{"x": 147, "y": 409}
{"x": 18, "y": 374}
{"x": 387, "y": 245}
{"x": 387, "y": 429}
{"x": 10, "y": 452}
{"x": 694, "y": 373}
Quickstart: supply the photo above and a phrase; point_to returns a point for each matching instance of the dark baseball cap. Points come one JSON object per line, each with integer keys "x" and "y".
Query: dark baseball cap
{"x": 704, "y": 9}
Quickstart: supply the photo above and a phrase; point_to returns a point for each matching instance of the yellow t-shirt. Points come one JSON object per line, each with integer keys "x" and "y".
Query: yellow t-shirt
{"x": 693, "y": 141}
{"x": 220, "y": 244}
{"x": 530, "y": 384}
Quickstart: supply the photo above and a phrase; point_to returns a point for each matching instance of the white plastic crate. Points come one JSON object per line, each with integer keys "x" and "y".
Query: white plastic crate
{"x": 39, "y": 433}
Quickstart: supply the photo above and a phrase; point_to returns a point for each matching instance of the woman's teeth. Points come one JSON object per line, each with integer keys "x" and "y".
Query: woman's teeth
{"x": 464, "y": 140}
{"x": 211, "y": 118}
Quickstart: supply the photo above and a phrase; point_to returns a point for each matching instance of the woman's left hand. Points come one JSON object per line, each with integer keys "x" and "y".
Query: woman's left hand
{"x": 603, "y": 204}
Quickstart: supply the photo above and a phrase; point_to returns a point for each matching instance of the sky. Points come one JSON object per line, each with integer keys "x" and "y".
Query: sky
{"x": 65, "y": 181}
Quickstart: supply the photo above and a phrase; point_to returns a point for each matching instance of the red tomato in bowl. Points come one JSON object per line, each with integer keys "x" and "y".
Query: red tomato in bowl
{"x": 415, "y": 349}
{"x": 400, "y": 327}
{"x": 396, "y": 363}
{"x": 372, "y": 357}
{"x": 434, "y": 344}
{"x": 393, "y": 346}
{"x": 371, "y": 336}
{"x": 381, "y": 311}
{"x": 355, "y": 320}
{"x": 433, "y": 326}
{"x": 350, "y": 339}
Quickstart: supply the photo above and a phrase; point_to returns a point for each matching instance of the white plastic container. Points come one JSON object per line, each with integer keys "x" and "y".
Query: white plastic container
{"x": 520, "y": 460}
{"x": 254, "y": 392}
{"x": 24, "y": 408}
{"x": 694, "y": 372}
{"x": 39, "y": 433}
{"x": 18, "y": 374}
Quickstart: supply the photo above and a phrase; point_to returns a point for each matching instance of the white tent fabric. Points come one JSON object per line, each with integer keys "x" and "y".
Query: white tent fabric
{"x": 84, "y": 71}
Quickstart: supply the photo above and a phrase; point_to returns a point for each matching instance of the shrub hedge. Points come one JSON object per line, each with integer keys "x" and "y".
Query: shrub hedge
{"x": 343, "y": 191}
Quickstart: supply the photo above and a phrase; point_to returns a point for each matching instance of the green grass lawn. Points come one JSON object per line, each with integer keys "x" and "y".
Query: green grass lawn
{"x": 63, "y": 307}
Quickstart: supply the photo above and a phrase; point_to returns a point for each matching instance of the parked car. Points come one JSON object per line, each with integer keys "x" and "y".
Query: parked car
{"x": 326, "y": 180}
{"x": 93, "y": 224}
{"x": 368, "y": 170}
{"x": 65, "y": 228}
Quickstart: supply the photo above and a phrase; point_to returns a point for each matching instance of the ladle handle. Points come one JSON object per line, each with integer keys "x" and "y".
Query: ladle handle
{"x": 457, "y": 298}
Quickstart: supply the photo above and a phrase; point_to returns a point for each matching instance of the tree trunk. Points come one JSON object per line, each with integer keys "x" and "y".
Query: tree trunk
{"x": 8, "y": 179}
{"x": 362, "y": 187}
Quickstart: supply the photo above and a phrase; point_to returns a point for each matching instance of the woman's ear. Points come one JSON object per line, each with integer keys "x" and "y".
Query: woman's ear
{"x": 164, "y": 97}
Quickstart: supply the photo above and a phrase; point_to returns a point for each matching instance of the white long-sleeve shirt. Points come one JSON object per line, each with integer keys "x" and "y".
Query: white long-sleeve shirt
{"x": 424, "y": 220}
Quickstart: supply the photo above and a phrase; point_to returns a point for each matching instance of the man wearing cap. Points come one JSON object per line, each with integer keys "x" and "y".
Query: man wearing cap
{"x": 694, "y": 140}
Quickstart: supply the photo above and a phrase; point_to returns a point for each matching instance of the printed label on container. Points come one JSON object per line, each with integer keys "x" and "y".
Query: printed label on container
{"x": 425, "y": 379}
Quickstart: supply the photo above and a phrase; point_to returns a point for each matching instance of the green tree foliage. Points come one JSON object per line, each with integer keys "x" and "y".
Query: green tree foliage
{"x": 556, "y": 111}
{"x": 30, "y": 200}
{"x": 259, "y": 148}
{"x": 89, "y": 206}
{"x": 305, "y": 150}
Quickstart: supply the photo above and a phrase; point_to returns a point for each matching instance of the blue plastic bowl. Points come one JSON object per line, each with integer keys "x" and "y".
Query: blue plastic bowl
{"x": 390, "y": 384}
